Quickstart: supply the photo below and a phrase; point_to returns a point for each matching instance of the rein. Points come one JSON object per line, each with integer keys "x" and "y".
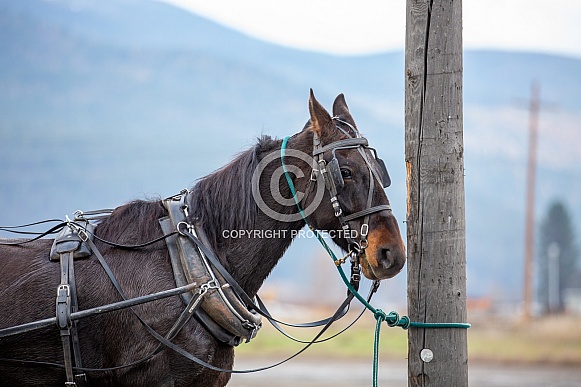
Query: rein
{"x": 79, "y": 227}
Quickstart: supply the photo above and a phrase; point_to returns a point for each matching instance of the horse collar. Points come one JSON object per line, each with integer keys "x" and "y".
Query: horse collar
{"x": 222, "y": 312}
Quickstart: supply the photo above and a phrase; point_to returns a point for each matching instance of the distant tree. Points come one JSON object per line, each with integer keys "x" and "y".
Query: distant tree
{"x": 558, "y": 256}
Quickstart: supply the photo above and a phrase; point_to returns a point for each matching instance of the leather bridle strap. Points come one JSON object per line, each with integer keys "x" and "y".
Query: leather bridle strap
{"x": 345, "y": 305}
{"x": 346, "y": 143}
{"x": 357, "y": 143}
{"x": 367, "y": 211}
{"x": 20, "y": 242}
{"x": 66, "y": 304}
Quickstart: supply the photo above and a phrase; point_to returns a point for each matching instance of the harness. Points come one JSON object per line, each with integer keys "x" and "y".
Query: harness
{"x": 207, "y": 289}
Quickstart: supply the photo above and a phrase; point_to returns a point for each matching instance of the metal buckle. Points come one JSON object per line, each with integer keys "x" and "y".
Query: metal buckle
{"x": 60, "y": 296}
{"x": 363, "y": 243}
{"x": 63, "y": 307}
{"x": 82, "y": 234}
{"x": 204, "y": 288}
{"x": 336, "y": 206}
{"x": 314, "y": 174}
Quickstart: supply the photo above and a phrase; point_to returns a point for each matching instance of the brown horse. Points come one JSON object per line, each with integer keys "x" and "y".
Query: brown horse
{"x": 222, "y": 201}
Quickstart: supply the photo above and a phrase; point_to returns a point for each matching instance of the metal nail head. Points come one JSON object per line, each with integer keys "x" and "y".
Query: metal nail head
{"x": 426, "y": 355}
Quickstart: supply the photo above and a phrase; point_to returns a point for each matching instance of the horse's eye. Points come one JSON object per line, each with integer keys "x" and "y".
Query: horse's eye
{"x": 346, "y": 174}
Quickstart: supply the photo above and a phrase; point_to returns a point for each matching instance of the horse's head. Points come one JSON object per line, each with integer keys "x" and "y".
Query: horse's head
{"x": 354, "y": 208}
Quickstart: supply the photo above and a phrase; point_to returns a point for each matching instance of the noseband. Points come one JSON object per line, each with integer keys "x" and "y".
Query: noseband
{"x": 333, "y": 180}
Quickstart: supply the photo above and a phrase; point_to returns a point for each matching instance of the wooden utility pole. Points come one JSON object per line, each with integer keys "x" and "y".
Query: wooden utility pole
{"x": 530, "y": 204}
{"x": 435, "y": 176}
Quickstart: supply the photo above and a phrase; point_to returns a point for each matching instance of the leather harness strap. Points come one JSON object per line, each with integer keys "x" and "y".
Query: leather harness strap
{"x": 65, "y": 245}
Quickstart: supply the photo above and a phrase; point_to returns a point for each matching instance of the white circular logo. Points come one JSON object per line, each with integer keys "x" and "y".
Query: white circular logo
{"x": 274, "y": 188}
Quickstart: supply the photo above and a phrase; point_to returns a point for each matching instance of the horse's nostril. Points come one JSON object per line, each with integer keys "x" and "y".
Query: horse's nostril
{"x": 384, "y": 258}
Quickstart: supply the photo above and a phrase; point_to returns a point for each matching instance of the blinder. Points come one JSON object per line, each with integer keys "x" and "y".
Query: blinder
{"x": 335, "y": 171}
{"x": 383, "y": 174}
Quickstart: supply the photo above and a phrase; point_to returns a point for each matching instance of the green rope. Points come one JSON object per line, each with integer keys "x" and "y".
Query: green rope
{"x": 392, "y": 318}
{"x": 380, "y": 317}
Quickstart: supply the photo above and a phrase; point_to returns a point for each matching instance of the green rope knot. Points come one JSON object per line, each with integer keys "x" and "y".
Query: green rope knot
{"x": 380, "y": 316}
{"x": 404, "y": 322}
{"x": 393, "y": 319}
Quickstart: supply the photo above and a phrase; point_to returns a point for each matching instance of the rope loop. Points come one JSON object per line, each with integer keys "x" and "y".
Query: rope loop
{"x": 405, "y": 322}
{"x": 393, "y": 319}
{"x": 380, "y": 316}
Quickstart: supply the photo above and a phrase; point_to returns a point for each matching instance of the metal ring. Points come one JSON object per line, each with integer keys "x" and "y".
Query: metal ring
{"x": 364, "y": 243}
{"x": 355, "y": 247}
{"x": 185, "y": 224}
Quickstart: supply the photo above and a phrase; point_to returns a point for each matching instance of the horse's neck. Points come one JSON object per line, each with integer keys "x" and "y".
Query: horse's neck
{"x": 251, "y": 254}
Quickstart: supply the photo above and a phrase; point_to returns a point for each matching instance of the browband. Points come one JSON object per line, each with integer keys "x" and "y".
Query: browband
{"x": 361, "y": 141}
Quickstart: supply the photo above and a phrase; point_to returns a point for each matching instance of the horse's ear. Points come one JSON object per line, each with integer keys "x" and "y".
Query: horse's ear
{"x": 340, "y": 109}
{"x": 321, "y": 120}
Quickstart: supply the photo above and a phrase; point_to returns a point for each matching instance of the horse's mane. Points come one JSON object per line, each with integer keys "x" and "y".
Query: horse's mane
{"x": 220, "y": 201}
{"x": 132, "y": 223}
{"x": 223, "y": 199}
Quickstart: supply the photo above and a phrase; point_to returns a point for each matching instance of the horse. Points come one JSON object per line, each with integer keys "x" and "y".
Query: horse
{"x": 224, "y": 200}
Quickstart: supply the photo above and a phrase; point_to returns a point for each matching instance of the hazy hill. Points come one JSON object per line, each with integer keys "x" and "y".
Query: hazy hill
{"x": 103, "y": 102}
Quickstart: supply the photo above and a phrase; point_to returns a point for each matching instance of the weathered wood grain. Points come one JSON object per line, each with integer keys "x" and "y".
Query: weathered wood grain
{"x": 435, "y": 178}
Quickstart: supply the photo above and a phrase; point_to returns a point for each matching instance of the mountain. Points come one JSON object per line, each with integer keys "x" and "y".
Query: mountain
{"x": 105, "y": 102}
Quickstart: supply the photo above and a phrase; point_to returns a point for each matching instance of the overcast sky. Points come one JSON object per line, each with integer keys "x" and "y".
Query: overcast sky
{"x": 357, "y": 27}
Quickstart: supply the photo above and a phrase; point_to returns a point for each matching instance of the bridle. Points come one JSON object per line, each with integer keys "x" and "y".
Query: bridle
{"x": 333, "y": 180}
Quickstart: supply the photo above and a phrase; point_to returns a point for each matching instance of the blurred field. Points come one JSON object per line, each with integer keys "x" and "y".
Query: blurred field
{"x": 555, "y": 340}
{"x": 549, "y": 340}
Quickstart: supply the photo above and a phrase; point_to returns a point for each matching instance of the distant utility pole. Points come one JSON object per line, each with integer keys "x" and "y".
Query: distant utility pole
{"x": 434, "y": 154}
{"x": 530, "y": 203}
